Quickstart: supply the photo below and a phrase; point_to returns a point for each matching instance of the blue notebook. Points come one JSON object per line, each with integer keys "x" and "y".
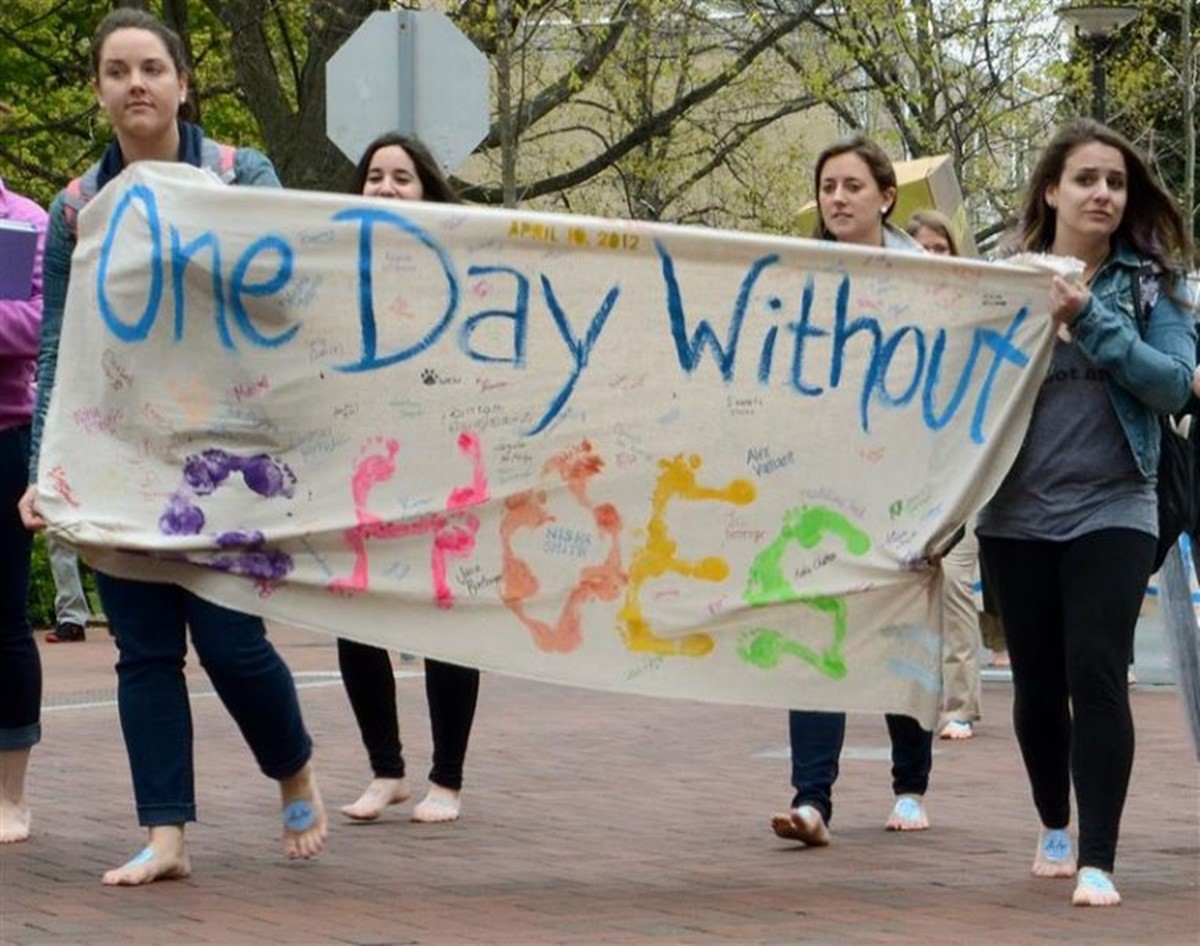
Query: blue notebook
{"x": 18, "y": 247}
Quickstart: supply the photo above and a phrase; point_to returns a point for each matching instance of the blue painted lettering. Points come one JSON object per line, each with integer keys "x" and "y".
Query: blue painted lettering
{"x": 238, "y": 287}
{"x": 367, "y": 219}
{"x": 519, "y": 315}
{"x": 689, "y": 349}
{"x": 181, "y": 256}
{"x": 141, "y": 328}
{"x": 580, "y": 349}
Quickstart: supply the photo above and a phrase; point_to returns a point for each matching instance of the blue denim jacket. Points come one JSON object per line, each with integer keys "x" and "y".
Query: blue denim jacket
{"x": 1146, "y": 376}
{"x": 251, "y": 168}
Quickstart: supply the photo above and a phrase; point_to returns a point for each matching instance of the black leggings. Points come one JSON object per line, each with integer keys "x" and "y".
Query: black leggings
{"x": 1069, "y": 612}
{"x": 20, "y": 664}
{"x": 451, "y": 690}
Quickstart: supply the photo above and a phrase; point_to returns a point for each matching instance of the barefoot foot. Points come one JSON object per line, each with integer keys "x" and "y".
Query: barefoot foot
{"x": 1055, "y": 855}
{"x": 908, "y": 814}
{"x": 15, "y": 820}
{"x": 381, "y": 793}
{"x": 1095, "y": 888}
{"x": 957, "y": 729}
{"x": 804, "y": 824}
{"x": 303, "y": 814}
{"x": 163, "y": 858}
{"x": 439, "y": 804}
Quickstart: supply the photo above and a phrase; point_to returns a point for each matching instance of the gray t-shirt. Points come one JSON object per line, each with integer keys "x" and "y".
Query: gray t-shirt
{"x": 1075, "y": 472}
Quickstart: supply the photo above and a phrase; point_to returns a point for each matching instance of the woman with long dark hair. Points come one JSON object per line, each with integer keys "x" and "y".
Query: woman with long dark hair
{"x": 401, "y": 168}
{"x": 1069, "y": 538}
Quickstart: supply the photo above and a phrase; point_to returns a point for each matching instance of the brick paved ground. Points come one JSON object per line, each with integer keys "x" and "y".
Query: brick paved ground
{"x": 588, "y": 819}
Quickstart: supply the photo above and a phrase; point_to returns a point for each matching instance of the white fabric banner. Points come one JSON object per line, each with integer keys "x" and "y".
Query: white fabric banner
{"x": 657, "y": 459}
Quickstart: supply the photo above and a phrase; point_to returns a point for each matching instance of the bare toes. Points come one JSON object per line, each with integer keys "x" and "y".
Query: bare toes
{"x": 439, "y": 805}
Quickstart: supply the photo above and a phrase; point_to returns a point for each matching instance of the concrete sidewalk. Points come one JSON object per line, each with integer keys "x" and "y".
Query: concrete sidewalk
{"x": 588, "y": 819}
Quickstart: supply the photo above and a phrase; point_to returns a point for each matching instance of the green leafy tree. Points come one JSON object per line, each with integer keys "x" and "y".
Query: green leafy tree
{"x": 966, "y": 78}
{"x": 259, "y": 70}
{"x": 1150, "y": 79}
{"x": 636, "y": 108}
{"x": 48, "y": 123}
{"x": 688, "y": 110}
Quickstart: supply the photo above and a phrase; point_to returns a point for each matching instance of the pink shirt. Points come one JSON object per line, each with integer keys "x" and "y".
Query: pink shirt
{"x": 20, "y": 322}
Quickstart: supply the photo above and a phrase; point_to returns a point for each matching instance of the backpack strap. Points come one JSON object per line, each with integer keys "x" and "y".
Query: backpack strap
{"x": 1147, "y": 287}
{"x": 219, "y": 159}
{"x": 76, "y": 196}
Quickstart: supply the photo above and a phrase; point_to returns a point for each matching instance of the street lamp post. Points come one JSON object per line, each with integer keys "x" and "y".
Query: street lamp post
{"x": 1097, "y": 23}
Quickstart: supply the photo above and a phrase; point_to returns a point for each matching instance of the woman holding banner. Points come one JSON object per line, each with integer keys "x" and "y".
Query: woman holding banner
{"x": 856, "y": 190}
{"x": 961, "y": 643}
{"x": 1069, "y": 537}
{"x": 141, "y": 83}
{"x": 401, "y": 168}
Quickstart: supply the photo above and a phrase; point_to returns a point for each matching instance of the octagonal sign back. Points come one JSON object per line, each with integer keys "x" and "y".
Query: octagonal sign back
{"x": 413, "y": 72}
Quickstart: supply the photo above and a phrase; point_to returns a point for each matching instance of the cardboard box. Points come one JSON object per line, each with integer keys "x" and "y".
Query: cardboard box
{"x": 922, "y": 184}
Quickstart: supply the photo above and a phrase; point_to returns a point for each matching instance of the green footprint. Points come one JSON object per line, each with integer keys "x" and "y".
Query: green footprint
{"x": 766, "y": 584}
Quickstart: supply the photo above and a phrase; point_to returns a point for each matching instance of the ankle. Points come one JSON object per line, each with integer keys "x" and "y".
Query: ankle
{"x": 298, "y": 784}
{"x": 165, "y": 836}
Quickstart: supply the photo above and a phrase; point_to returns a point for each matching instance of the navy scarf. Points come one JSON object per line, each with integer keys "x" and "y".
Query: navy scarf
{"x": 190, "y": 138}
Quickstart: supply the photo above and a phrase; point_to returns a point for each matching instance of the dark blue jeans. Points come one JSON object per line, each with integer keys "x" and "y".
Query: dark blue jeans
{"x": 150, "y": 622}
{"x": 20, "y": 666}
{"x": 817, "y": 745}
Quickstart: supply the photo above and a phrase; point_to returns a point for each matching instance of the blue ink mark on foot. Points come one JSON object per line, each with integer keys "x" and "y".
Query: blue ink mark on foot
{"x": 144, "y": 856}
{"x": 1095, "y": 879}
{"x": 908, "y": 808}
{"x": 1056, "y": 846}
{"x": 298, "y": 816}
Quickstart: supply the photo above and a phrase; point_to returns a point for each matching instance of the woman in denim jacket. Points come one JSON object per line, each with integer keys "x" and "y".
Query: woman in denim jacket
{"x": 1070, "y": 535}
{"x": 141, "y": 82}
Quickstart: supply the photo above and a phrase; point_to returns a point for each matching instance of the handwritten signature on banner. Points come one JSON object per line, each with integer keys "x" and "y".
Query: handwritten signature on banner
{"x": 638, "y": 457}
